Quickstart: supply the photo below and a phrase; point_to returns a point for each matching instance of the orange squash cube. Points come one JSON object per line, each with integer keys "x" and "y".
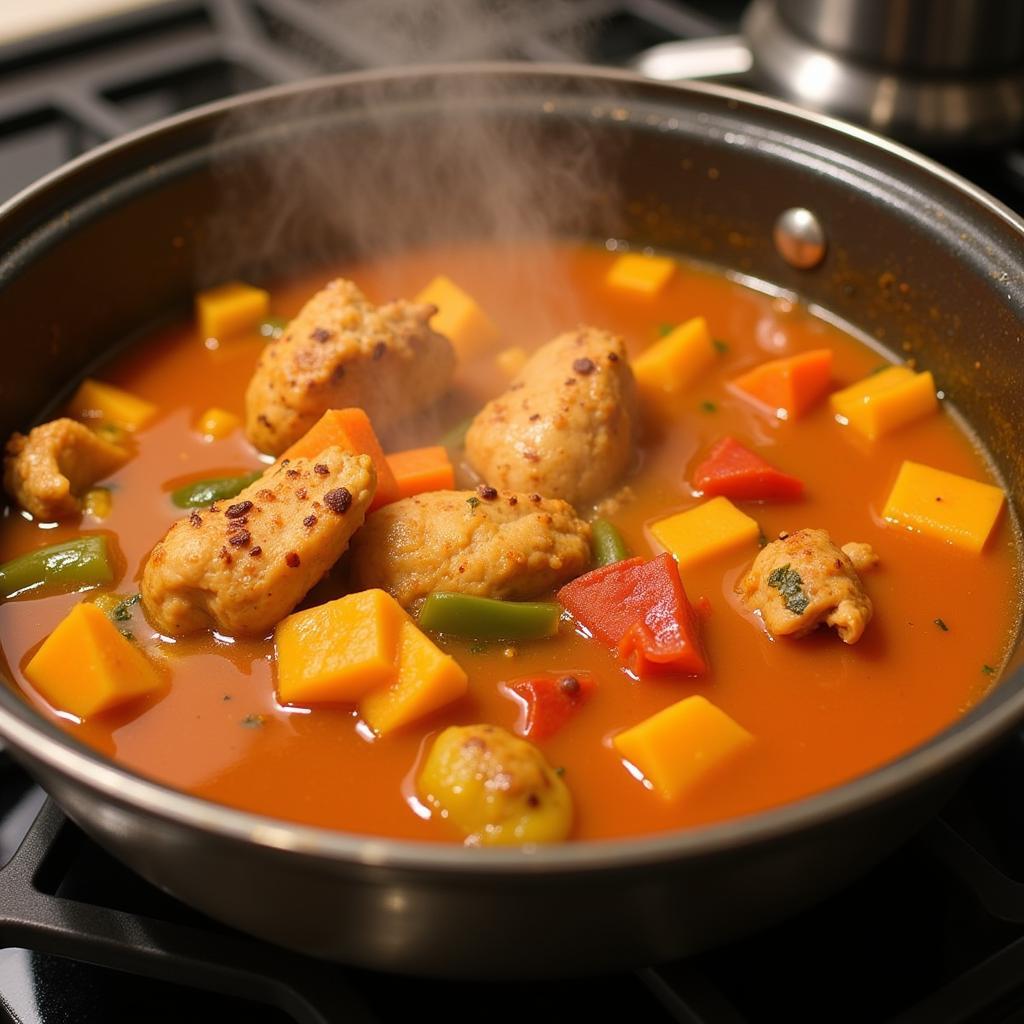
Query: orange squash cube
{"x": 791, "y": 386}
{"x": 230, "y": 309}
{"x": 459, "y": 317}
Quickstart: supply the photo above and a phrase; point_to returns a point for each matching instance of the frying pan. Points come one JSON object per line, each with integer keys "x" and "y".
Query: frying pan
{"x": 118, "y": 240}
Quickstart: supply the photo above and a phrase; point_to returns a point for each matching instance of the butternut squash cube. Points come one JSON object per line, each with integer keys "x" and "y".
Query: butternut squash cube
{"x": 459, "y": 317}
{"x": 96, "y": 403}
{"x": 217, "y": 423}
{"x": 790, "y": 386}
{"x": 681, "y": 746}
{"x": 511, "y": 360}
{"x": 85, "y": 666}
{"x": 944, "y": 505}
{"x": 885, "y": 401}
{"x": 674, "y": 362}
{"x": 427, "y": 680}
{"x": 713, "y": 528}
{"x": 339, "y": 651}
{"x": 230, "y": 309}
{"x": 637, "y": 272}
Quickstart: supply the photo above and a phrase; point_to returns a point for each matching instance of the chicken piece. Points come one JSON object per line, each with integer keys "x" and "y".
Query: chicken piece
{"x": 802, "y": 579}
{"x": 343, "y": 351}
{"x": 495, "y": 787}
{"x": 241, "y": 567}
{"x": 862, "y": 556}
{"x": 483, "y": 542}
{"x": 567, "y": 424}
{"x": 48, "y": 471}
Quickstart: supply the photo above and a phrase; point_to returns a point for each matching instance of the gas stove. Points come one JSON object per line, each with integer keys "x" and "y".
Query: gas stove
{"x": 933, "y": 935}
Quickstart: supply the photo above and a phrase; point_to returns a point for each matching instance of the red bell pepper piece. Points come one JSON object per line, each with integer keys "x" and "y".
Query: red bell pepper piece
{"x": 640, "y": 609}
{"x": 736, "y": 472}
{"x": 550, "y": 699}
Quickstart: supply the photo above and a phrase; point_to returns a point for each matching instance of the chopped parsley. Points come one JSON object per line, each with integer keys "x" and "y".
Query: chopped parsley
{"x": 942, "y": 625}
{"x": 664, "y": 329}
{"x": 988, "y": 670}
{"x": 721, "y": 347}
{"x": 788, "y": 583}
{"x": 253, "y": 721}
{"x": 560, "y": 770}
{"x": 122, "y": 611}
{"x": 707, "y": 406}
{"x": 473, "y": 501}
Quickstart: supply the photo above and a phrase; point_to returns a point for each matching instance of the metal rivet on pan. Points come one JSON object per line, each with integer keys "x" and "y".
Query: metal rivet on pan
{"x": 799, "y": 238}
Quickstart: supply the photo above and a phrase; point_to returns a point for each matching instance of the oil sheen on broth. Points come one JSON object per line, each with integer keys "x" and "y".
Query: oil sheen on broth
{"x": 820, "y": 711}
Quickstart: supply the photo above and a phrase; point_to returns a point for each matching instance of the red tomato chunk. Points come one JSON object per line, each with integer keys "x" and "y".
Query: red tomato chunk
{"x": 736, "y": 472}
{"x": 550, "y": 699}
{"x": 640, "y": 609}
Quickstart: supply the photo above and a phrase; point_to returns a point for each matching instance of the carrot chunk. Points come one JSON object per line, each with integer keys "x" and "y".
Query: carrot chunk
{"x": 789, "y": 386}
{"x": 349, "y": 429}
{"x": 422, "y": 469}
{"x": 732, "y": 471}
{"x": 639, "y": 609}
{"x": 549, "y": 700}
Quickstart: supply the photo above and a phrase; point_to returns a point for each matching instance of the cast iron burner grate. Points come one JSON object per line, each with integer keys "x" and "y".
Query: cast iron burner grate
{"x": 934, "y": 935}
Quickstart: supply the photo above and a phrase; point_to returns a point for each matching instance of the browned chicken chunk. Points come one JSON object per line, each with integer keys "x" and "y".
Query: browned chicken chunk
{"x": 48, "y": 471}
{"x": 490, "y": 543}
{"x": 239, "y": 567}
{"x": 343, "y": 351}
{"x": 802, "y": 580}
{"x": 567, "y": 424}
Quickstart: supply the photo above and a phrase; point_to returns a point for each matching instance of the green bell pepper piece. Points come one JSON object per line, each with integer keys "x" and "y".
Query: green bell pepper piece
{"x": 206, "y": 492}
{"x": 62, "y": 568}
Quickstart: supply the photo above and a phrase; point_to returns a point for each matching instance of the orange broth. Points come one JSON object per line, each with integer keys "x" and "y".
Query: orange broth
{"x": 821, "y": 712}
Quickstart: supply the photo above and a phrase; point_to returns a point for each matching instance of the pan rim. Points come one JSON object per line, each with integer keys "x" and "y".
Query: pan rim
{"x": 43, "y": 743}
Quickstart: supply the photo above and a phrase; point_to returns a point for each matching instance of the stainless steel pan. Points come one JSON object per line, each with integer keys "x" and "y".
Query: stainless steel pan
{"x": 121, "y": 238}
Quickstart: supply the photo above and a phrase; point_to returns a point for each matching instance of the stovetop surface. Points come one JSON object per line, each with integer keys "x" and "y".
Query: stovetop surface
{"x": 934, "y": 935}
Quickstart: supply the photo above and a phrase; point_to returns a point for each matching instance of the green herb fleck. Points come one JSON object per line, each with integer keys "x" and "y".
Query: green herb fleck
{"x": 942, "y": 625}
{"x": 253, "y": 721}
{"x": 988, "y": 670}
{"x": 127, "y": 634}
{"x": 122, "y": 611}
{"x": 473, "y": 501}
{"x": 788, "y": 583}
{"x": 664, "y": 329}
{"x": 227, "y": 696}
{"x": 707, "y": 406}
{"x": 560, "y": 770}
{"x": 273, "y": 327}
{"x": 721, "y": 347}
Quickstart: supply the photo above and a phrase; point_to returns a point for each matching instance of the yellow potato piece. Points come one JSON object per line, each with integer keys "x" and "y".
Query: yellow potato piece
{"x": 217, "y": 423}
{"x": 944, "y": 505}
{"x": 230, "y": 309}
{"x": 674, "y": 362}
{"x": 96, "y": 403}
{"x": 636, "y": 272}
{"x": 427, "y": 680}
{"x": 339, "y": 651}
{"x": 885, "y": 401}
{"x": 85, "y": 666}
{"x": 459, "y": 317}
{"x": 713, "y": 528}
{"x": 679, "y": 747}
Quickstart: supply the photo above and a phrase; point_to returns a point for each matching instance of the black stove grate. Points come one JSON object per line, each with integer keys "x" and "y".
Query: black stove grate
{"x": 934, "y": 935}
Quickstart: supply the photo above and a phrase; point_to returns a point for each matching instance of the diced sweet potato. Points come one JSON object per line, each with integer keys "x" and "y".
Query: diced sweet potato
{"x": 636, "y": 272}
{"x": 944, "y": 505}
{"x": 705, "y": 531}
{"x": 427, "y": 679}
{"x": 230, "y": 308}
{"x": 674, "y": 362}
{"x": 422, "y": 469}
{"x": 339, "y": 651}
{"x": 95, "y": 403}
{"x": 459, "y": 317}
{"x": 791, "y": 386}
{"x": 679, "y": 747}
{"x": 217, "y": 423}
{"x": 885, "y": 401}
{"x": 85, "y": 666}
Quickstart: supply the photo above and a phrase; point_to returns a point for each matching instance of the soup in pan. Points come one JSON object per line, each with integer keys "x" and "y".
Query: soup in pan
{"x": 578, "y": 543}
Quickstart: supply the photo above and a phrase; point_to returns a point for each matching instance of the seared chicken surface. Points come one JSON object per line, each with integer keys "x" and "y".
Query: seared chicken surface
{"x": 567, "y": 425}
{"x": 803, "y": 580}
{"x": 241, "y": 566}
{"x": 342, "y": 351}
{"x": 48, "y": 471}
{"x": 491, "y": 543}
